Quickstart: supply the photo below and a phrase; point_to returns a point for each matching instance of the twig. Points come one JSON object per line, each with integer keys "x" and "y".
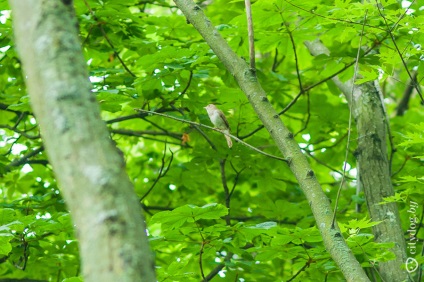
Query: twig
{"x": 277, "y": 62}
{"x": 295, "y": 56}
{"x": 138, "y": 115}
{"x": 236, "y": 178}
{"x": 108, "y": 40}
{"x": 308, "y": 114}
{"x": 23, "y": 133}
{"x": 401, "y": 166}
{"x": 226, "y": 190}
{"x": 145, "y": 132}
{"x": 198, "y": 130}
{"x": 334, "y": 19}
{"x": 184, "y": 90}
{"x": 215, "y": 129}
{"x": 355, "y": 73}
{"x": 25, "y": 158}
{"x": 397, "y": 48}
{"x": 202, "y": 246}
{"x": 218, "y": 268}
{"x": 326, "y": 165}
{"x": 161, "y": 172}
{"x": 300, "y": 270}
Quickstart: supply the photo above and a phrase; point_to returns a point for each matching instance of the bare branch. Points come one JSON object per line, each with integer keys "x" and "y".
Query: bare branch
{"x": 126, "y": 132}
{"x": 226, "y": 190}
{"x": 350, "y": 121}
{"x": 161, "y": 173}
{"x": 295, "y": 56}
{"x": 215, "y": 129}
{"x": 26, "y": 157}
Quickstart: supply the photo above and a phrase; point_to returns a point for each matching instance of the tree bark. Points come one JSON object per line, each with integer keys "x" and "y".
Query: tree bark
{"x": 91, "y": 173}
{"x": 373, "y": 166}
{"x": 246, "y": 78}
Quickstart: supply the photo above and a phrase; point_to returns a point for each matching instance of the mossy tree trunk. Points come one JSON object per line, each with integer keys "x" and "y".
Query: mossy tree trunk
{"x": 89, "y": 169}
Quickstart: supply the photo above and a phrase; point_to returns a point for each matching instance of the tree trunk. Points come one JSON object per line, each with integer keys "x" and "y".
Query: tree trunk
{"x": 91, "y": 173}
{"x": 373, "y": 166}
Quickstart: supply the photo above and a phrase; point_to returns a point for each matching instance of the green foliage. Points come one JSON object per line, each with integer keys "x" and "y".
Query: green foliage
{"x": 235, "y": 211}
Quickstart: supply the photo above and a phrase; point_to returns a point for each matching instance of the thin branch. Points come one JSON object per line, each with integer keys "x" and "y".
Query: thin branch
{"x": 295, "y": 56}
{"x": 108, "y": 40}
{"x": 199, "y": 130}
{"x": 184, "y": 90}
{"x": 20, "y": 118}
{"x": 215, "y": 129}
{"x": 138, "y": 115}
{"x": 161, "y": 173}
{"x": 251, "y": 34}
{"x": 355, "y": 73}
{"x": 308, "y": 114}
{"x": 334, "y": 19}
{"x": 25, "y": 158}
{"x": 166, "y": 141}
{"x": 218, "y": 268}
{"x": 23, "y": 133}
{"x": 226, "y": 190}
{"x": 329, "y": 146}
{"x": 276, "y": 62}
{"x": 202, "y": 246}
{"x": 157, "y": 208}
{"x": 407, "y": 158}
{"x": 300, "y": 271}
{"x": 327, "y": 166}
{"x": 155, "y": 125}
{"x": 5, "y": 107}
{"x": 236, "y": 178}
{"x": 40, "y": 162}
{"x": 126, "y": 132}
{"x": 389, "y": 30}
{"x": 88, "y": 35}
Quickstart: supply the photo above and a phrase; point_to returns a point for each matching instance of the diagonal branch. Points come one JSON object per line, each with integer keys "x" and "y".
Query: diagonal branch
{"x": 215, "y": 129}
{"x": 161, "y": 173}
{"x": 320, "y": 205}
{"x": 26, "y": 158}
{"x": 142, "y": 133}
{"x": 389, "y": 31}
{"x": 295, "y": 56}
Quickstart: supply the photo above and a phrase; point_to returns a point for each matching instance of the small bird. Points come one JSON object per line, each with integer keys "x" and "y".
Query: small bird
{"x": 219, "y": 121}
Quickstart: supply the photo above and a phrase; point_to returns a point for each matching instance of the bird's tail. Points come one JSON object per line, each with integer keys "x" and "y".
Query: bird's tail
{"x": 229, "y": 142}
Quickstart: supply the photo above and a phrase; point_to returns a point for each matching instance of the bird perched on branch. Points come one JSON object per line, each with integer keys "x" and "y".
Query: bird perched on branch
{"x": 219, "y": 121}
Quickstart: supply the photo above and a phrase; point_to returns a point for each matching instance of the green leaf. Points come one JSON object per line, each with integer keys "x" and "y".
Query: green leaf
{"x": 5, "y": 246}
{"x": 189, "y": 213}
